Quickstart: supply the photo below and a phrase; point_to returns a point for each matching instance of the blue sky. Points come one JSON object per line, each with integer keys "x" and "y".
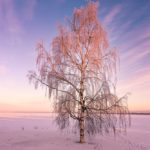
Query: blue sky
{"x": 25, "y": 22}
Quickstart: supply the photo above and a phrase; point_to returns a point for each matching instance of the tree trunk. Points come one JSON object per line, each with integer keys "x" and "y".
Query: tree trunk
{"x": 82, "y": 108}
{"x": 81, "y": 124}
{"x": 82, "y": 111}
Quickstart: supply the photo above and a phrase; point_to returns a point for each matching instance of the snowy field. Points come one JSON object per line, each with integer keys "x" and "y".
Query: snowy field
{"x": 38, "y": 132}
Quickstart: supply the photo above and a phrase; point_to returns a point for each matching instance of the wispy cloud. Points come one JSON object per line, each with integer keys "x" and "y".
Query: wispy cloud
{"x": 112, "y": 14}
{"x": 29, "y": 9}
{"x": 9, "y": 20}
{"x": 135, "y": 53}
{"x": 140, "y": 80}
{"x": 130, "y": 25}
{"x": 130, "y": 33}
{"x": 13, "y": 20}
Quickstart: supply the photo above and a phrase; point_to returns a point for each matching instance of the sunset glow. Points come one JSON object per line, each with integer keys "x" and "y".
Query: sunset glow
{"x": 23, "y": 23}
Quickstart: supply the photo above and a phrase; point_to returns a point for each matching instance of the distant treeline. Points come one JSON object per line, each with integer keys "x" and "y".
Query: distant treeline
{"x": 140, "y": 113}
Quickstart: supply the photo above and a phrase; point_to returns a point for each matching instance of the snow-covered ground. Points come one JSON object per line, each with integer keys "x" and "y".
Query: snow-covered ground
{"x": 40, "y": 133}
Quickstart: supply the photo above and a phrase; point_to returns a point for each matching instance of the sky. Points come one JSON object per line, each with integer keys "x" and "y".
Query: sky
{"x": 23, "y": 23}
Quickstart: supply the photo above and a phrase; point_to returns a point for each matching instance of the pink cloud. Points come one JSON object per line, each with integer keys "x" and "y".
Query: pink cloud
{"x": 8, "y": 17}
{"x": 141, "y": 78}
{"x": 112, "y": 14}
{"x": 29, "y": 9}
{"x": 136, "y": 53}
{"x": 136, "y": 47}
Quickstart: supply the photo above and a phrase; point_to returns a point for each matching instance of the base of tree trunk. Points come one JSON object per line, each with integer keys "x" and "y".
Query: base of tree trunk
{"x": 82, "y": 135}
{"x": 82, "y": 141}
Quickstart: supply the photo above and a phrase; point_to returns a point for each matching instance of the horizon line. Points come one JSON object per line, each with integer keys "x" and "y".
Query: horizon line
{"x": 131, "y": 112}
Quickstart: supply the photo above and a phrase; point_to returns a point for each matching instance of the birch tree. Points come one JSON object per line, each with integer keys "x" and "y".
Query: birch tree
{"x": 79, "y": 71}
